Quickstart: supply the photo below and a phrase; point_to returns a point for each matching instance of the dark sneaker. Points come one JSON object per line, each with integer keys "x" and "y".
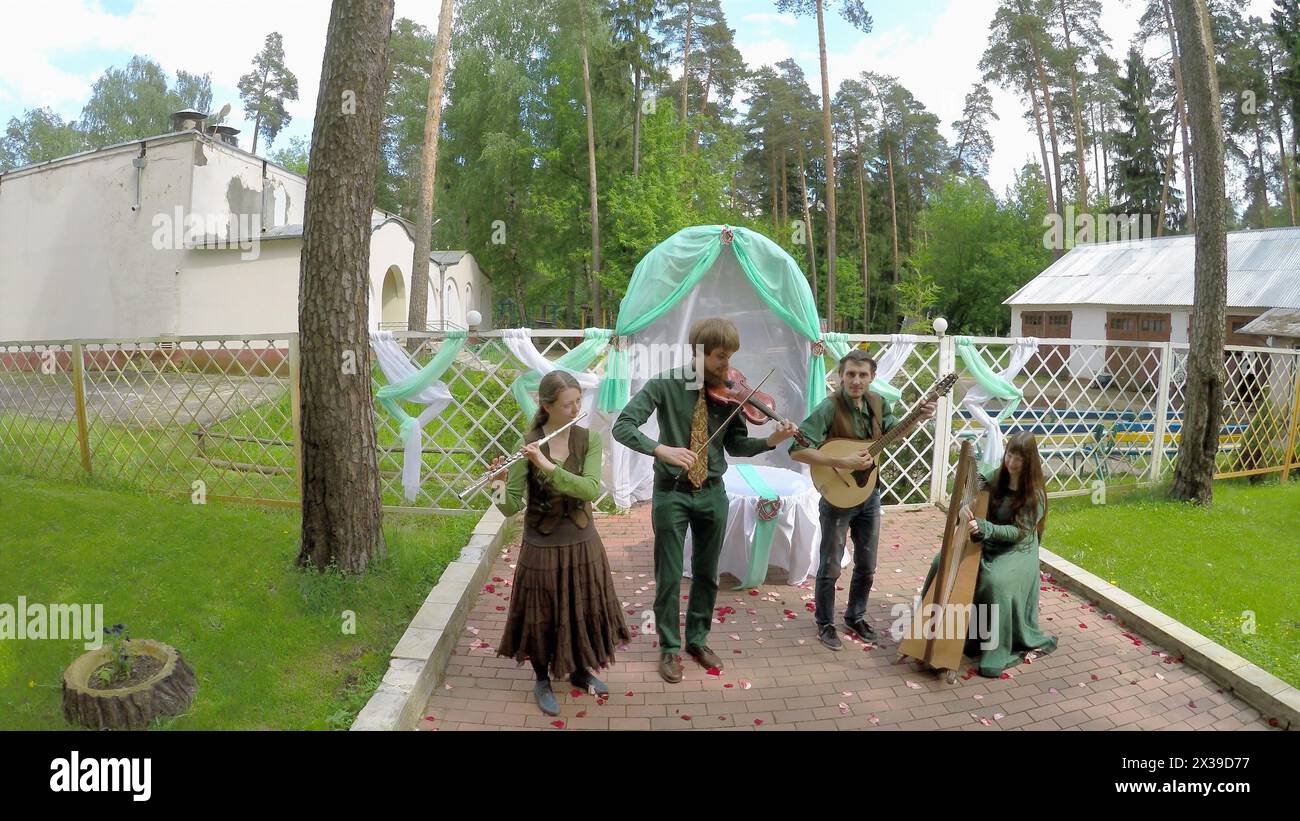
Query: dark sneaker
{"x": 545, "y": 698}
{"x": 704, "y": 655}
{"x": 827, "y": 636}
{"x": 863, "y": 629}
{"x": 585, "y": 681}
{"x": 670, "y": 668}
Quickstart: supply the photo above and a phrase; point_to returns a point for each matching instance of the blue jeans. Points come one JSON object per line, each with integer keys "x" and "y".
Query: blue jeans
{"x": 863, "y": 523}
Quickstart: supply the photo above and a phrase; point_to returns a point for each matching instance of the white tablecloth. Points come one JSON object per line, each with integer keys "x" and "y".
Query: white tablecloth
{"x": 797, "y": 535}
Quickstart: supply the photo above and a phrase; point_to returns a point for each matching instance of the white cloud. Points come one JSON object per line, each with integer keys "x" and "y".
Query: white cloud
{"x": 219, "y": 38}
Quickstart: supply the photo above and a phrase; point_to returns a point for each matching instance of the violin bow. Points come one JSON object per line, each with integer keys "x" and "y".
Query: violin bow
{"x": 725, "y": 422}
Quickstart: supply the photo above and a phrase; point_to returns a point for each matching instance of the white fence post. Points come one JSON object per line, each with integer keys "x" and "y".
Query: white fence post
{"x": 946, "y": 407}
{"x": 1162, "y": 411}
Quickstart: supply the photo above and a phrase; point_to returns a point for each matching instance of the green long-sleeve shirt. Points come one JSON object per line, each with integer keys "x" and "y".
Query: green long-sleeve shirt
{"x": 818, "y": 424}
{"x": 585, "y": 486}
{"x": 670, "y": 396}
{"x": 1004, "y": 534}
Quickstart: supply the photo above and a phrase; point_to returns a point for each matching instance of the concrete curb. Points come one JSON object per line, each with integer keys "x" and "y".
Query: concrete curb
{"x": 1273, "y": 697}
{"x": 418, "y": 661}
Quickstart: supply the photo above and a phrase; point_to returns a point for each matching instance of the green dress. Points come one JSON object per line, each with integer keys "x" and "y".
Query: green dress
{"x": 1009, "y": 582}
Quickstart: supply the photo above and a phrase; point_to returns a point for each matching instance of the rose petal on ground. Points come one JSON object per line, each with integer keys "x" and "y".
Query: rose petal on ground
{"x": 758, "y": 722}
{"x": 575, "y": 693}
{"x": 745, "y": 685}
{"x": 912, "y": 685}
{"x": 581, "y": 714}
{"x": 728, "y": 686}
{"x": 733, "y": 637}
{"x": 978, "y": 697}
{"x": 686, "y": 717}
{"x": 557, "y": 724}
{"x": 714, "y": 671}
{"x": 873, "y": 719}
{"x": 844, "y": 709}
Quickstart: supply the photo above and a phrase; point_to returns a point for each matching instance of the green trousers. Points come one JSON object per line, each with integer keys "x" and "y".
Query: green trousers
{"x": 672, "y": 511}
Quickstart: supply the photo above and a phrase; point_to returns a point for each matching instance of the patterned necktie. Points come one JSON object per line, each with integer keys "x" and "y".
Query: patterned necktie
{"x": 699, "y": 435}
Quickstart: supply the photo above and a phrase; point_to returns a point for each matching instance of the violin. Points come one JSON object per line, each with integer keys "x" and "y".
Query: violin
{"x": 758, "y": 409}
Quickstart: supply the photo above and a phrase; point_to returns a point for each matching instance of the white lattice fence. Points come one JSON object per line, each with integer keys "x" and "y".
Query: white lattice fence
{"x": 165, "y": 414}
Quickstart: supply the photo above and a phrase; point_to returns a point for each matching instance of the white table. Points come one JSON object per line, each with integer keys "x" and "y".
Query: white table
{"x": 796, "y": 539}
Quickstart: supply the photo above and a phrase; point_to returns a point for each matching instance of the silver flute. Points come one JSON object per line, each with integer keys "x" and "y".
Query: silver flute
{"x": 514, "y": 458}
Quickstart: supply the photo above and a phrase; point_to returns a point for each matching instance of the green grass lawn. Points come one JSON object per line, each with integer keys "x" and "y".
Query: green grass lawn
{"x": 1204, "y": 567}
{"x": 217, "y": 582}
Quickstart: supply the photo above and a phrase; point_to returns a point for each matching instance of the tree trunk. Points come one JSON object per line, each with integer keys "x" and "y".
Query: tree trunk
{"x": 1079, "y": 148}
{"x": 785, "y": 196}
{"x": 261, "y": 101}
{"x": 1263, "y": 176}
{"x": 1169, "y": 171}
{"x": 862, "y": 229}
{"x": 1051, "y": 119}
{"x": 636, "y": 124}
{"x": 591, "y": 176}
{"x": 1181, "y": 88}
{"x": 1281, "y": 143}
{"x": 1096, "y": 145}
{"x": 771, "y": 179}
{"x": 341, "y": 512}
{"x": 417, "y": 317}
{"x": 828, "y": 134}
{"x": 1042, "y": 148}
{"x": 686, "y": 70}
{"x": 1204, "y": 390}
{"x": 893, "y": 216}
{"x": 807, "y": 224}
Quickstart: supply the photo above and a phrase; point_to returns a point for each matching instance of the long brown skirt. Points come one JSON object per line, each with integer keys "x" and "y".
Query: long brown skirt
{"x": 564, "y": 611}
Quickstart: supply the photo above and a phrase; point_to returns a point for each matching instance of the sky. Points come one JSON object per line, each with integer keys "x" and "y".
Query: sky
{"x": 52, "y": 51}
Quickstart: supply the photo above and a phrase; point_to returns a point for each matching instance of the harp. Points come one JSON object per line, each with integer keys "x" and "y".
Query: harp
{"x": 937, "y": 634}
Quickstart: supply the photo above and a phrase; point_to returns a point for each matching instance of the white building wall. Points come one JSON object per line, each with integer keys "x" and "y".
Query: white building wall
{"x": 76, "y": 260}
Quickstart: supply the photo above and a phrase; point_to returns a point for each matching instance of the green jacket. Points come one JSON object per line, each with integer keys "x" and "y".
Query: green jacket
{"x": 818, "y": 424}
{"x": 669, "y": 396}
{"x": 585, "y": 487}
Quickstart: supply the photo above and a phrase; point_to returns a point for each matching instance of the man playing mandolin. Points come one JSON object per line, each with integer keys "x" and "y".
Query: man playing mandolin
{"x": 688, "y": 489}
{"x": 851, "y": 412}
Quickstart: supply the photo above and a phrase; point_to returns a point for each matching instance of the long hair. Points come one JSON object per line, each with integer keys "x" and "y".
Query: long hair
{"x": 548, "y": 391}
{"x": 1032, "y": 491}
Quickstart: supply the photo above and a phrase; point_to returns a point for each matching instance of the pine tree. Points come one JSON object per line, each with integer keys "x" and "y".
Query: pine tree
{"x": 266, "y": 88}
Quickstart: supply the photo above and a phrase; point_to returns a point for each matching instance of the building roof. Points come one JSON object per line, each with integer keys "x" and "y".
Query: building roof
{"x": 1263, "y": 272}
{"x": 1275, "y": 322}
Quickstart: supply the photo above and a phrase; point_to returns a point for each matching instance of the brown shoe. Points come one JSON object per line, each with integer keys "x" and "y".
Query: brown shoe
{"x": 670, "y": 668}
{"x": 704, "y": 655}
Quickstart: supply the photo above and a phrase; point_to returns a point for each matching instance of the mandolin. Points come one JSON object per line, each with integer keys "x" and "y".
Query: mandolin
{"x": 850, "y": 488}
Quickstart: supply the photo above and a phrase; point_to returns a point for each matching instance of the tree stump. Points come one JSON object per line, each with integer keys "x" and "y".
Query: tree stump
{"x": 167, "y": 692}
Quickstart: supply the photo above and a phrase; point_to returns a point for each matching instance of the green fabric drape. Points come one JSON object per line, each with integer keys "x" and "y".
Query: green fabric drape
{"x": 594, "y": 343}
{"x": 988, "y": 380}
{"x": 995, "y": 385}
{"x": 760, "y": 544}
{"x": 676, "y": 265}
{"x": 390, "y": 395}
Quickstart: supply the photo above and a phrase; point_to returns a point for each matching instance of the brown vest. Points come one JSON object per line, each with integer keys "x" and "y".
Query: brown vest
{"x": 842, "y": 423}
{"x": 552, "y": 517}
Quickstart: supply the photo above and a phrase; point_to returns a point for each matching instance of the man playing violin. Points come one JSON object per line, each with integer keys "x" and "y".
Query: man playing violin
{"x": 851, "y": 412}
{"x": 688, "y": 489}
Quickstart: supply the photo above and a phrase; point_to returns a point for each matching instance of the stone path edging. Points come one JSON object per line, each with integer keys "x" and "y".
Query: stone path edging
{"x": 418, "y": 661}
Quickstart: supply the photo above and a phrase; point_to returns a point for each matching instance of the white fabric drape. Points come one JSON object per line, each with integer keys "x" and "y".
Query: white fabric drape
{"x": 796, "y": 539}
{"x": 895, "y": 356}
{"x": 1023, "y": 349}
{"x": 614, "y": 467}
{"x": 397, "y": 366}
{"x": 765, "y": 343}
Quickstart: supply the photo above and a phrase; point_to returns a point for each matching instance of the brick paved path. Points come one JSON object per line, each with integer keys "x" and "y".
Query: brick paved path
{"x": 777, "y": 676}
